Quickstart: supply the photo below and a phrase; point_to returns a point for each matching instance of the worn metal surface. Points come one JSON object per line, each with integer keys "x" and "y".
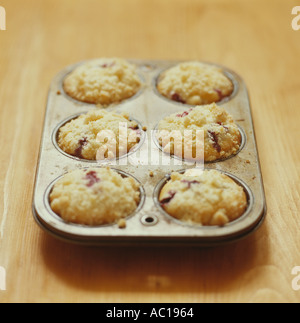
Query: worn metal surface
{"x": 150, "y": 224}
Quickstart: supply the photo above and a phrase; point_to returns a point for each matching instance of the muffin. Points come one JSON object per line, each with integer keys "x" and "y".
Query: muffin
{"x": 207, "y": 198}
{"x": 195, "y": 83}
{"x": 94, "y": 197}
{"x": 103, "y": 81}
{"x": 210, "y": 128}
{"x": 99, "y": 135}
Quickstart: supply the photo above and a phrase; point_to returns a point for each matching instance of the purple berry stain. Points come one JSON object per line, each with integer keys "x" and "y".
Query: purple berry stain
{"x": 176, "y": 97}
{"x": 214, "y": 138}
{"x": 220, "y": 94}
{"x": 168, "y": 199}
{"x": 82, "y": 143}
{"x": 190, "y": 183}
{"x": 184, "y": 114}
{"x": 92, "y": 178}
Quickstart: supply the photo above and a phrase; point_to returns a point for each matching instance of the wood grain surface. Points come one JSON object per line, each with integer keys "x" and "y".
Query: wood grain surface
{"x": 253, "y": 38}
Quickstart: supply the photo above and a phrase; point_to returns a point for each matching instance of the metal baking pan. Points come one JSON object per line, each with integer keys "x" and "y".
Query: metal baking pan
{"x": 149, "y": 225}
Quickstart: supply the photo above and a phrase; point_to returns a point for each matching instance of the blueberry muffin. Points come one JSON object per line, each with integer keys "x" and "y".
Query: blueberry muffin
{"x": 195, "y": 83}
{"x": 210, "y": 128}
{"x": 208, "y": 198}
{"x": 103, "y": 81}
{"x": 94, "y": 197}
{"x": 99, "y": 135}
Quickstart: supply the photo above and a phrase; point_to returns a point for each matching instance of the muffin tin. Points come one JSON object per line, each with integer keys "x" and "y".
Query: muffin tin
{"x": 150, "y": 224}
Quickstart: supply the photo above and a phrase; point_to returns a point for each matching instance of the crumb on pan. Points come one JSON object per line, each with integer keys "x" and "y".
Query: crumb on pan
{"x": 122, "y": 224}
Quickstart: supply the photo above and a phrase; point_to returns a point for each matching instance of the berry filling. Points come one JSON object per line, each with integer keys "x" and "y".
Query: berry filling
{"x": 78, "y": 151}
{"x": 214, "y": 138}
{"x": 167, "y": 200}
{"x": 220, "y": 94}
{"x": 184, "y": 114}
{"x": 134, "y": 128}
{"x": 221, "y": 124}
{"x": 137, "y": 131}
{"x": 108, "y": 65}
{"x": 189, "y": 183}
{"x": 176, "y": 97}
{"x": 92, "y": 178}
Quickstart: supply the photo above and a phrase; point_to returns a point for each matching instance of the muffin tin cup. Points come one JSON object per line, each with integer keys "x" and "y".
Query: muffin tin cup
{"x": 247, "y": 190}
{"x": 226, "y": 72}
{"x": 201, "y": 162}
{"x": 62, "y": 91}
{"x": 96, "y": 162}
{"x": 56, "y": 217}
{"x": 150, "y": 224}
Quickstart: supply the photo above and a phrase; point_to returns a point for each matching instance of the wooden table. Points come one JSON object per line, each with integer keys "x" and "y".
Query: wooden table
{"x": 254, "y": 38}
